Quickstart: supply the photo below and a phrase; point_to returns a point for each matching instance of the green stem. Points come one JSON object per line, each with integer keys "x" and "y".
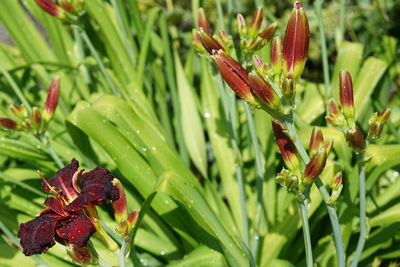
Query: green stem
{"x": 260, "y": 177}
{"x": 325, "y": 67}
{"x": 124, "y": 251}
{"x": 100, "y": 261}
{"x": 98, "y": 60}
{"x": 220, "y": 15}
{"x": 51, "y": 151}
{"x": 81, "y": 56}
{"x": 363, "y": 220}
{"x": 15, "y": 87}
{"x": 288, "y": 122}
{"x": 306, "y": 230}
{"x": 341, "y": 22}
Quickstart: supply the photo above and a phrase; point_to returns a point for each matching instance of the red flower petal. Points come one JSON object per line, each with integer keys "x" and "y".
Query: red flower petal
{"x": 55, "y": 206}
{"x": 97, "y": 189}
{"x": 77, "y": 230}
{"x": 62, "y": 180}
{"x": 37, "y": 235}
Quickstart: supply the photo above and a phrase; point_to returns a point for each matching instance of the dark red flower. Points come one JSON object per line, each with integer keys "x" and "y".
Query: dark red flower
{"x": 65, "y": 218}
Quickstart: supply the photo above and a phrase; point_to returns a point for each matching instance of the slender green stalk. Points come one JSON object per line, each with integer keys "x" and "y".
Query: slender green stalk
{"x": 306, "y": 230}
{"x": 98, "y": 60}
{"x": 51, "y": 151}
{"x": 363, "y": 220}
{"x": 288, "y": 122}
{"x": 341, "y": 21}
{"x": 15, "y": 87}
{"x": 124, "y": 251}
{"x": 260, "y": 177}
{"x": 239, "y": 177}
{"x": 100, "y": 261}
{"x": 325, "y": 67}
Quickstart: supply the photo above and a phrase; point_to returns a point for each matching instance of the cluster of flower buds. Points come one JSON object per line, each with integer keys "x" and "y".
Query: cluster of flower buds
{"x": 258, "y": 88}
{"x": 344, "y": 118}
{"x": 292, "y": 178}
{"x": 336, "y": 186}
{"x": 126, "y": 222}
{"x": 252, "y": 39}
{"x": 36, "y": 122}
{"x": 66, "y": 10}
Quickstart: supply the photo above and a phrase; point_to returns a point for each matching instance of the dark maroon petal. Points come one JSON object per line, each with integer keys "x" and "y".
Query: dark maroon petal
{"x": 97, "y": 189}
{"x": 37, "y": 235}
{"x": 77, "y": 229}
{"x": 62, "y": 180}
{"x": 55, "y": 206}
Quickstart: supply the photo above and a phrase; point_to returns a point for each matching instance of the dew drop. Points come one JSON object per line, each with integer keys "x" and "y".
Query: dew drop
{"x": 144, "y": 149}
{"x": 207, "y": 115}
{"x": 72, "y": 238}
{"x": 153, "y": 148}
{"x": 137, "y": 131}
{"x": 38, "y": 146}
{"x": 79, "y": 232}
{"x": 162, "y": 252}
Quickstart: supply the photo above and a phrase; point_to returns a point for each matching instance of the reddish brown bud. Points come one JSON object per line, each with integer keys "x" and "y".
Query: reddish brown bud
{"x": 72, "y": 6}
{"x": 316, "y": 141}
{"x": 9, "y": 124}
{"x": 376, "y": 123}
{"x": 335, "y": 117}
{"x": 235, "y": 76}
{"x": 315, "y": 166}
{"x": 226, "y": 39}
{"x": 208, "y": 42}
{"x": 264, "y": 90}
{"x": 286, "y": 146}
{"x": 337, "y": 181}
{"x": 256, "y": 23}
{"x": 355, "y": 139}
{"x": 260, "y": 66}
{"x": 48, "y": 6}
{"x": 268, "y": 32}
{"x": 133, "y": 218}
{"x": 81, "y": 255}
{"x": 52, "y": 100}
{"x": 21, "y": 111}
{"x": 346, "y": 94}
{"x": 384, "y": 116}
{"x": 119, "y": 205}
{"x": 203, "y": 22}
{"x": 36, "y": 118}
{"x": 328, "y": 146}
{"x": 295, "y": 46}
{"x": 197, "y": 45}
{"x": 276, "y": 55}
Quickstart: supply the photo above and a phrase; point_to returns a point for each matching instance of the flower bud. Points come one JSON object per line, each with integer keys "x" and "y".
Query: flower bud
{"x": 203, "y": 22}
{"x": 295, "y": 46}
{"x": 288, "y": 88}
{"x": 9, "y": 124}
{"x": 235, "y": 76}
{"x": 119, "y": 205}
{"x": 335, "y": 117}
{"x": 36, "y": 119}
{"x": 316, "y": 141}
{"x": 264, "y": 90}
{"x": 133, "y": 219}
{"x": 287, "y": 179}
{"x": 51, "y": 8}
{"x": 286, "y": 146}
{"x": 21, "y": 111}
{"x": 52, "y": 100}
{"x": 355, "y": 139}
{"x": 337, "y": 181}
{"x": 226, "y": 39}
{"x": 315, "y": 166}
{"x": 208, "y": 42}
{"x": 276, "y": 55}
{"x": 328, "y": 146}
{"x": 242, "y": 26}
{"x": 256, "y": 23}
{"x": 197, "y": 45}
{"x": 268, "y": 33}
{"x": 81, "y": 255}
{"x": 346, "y": 94}
{"x": 376, "y": 123}
{"x": 261, "y": 67}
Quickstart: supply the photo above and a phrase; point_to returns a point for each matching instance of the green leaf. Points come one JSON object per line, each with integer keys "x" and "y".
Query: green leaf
{"x": 202, "y": 256}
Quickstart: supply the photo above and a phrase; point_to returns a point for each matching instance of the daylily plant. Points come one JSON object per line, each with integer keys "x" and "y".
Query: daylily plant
{"x": 70, "y": 217}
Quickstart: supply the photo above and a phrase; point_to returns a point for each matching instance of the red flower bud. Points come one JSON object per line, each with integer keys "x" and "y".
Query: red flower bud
{"x": 276, "y": 55}
{"x": 133, "y": 219}
{"x": 36, "y": 118}
{"x": 295, "y": 46}
{"x": 355, "y": 139}
{"x": 315, "y": 166}
{"x": 9, "y": 124}
{"x": 21, "y": 111}
{"x": 256, "y": 23}
{"x": 286, "y": 146}
{"x": 384, "y": 116}
{"x": 288, "y": 88}
{"x": 49, "y": 6}
{"x": 337, "y": 181}
{"x": 335, "y": 117}
{"x": 242, "y": 26}
{"x": 268, "y": 32}
{"x": 208, "y": 42}
{"x": 235, "y": 76}
{"x": 346, "y": 94}
{"x": 260, "y": 66}
{"x": 81, "y": 255}
{"x": 203, "y": 22}
{"x": 316, "y": 141}
{"x": 263, "y": 90}
{"x": 119, "y": 205}
{"x": 376, "y": 123}
{"x": 52, "y": 100}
